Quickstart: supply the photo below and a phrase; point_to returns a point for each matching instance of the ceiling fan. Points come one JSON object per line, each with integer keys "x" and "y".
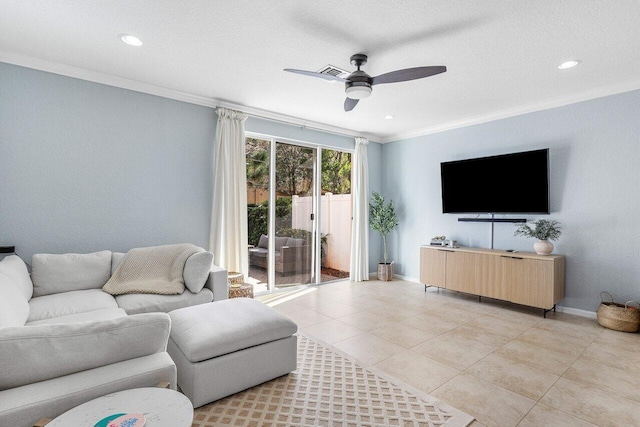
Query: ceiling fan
{"x": 358, "y": 85}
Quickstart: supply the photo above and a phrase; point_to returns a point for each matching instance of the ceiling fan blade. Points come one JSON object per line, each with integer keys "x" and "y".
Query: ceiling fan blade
{"x": 314, "y": 74}
{"x": 349, "y": 104}
{"x": 408, "y": 74}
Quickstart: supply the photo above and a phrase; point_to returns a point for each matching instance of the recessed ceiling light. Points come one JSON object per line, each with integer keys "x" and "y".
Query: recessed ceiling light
{"x": 569, "y": 64}
{"x": 130, "y": 40}
{"x": 388, "y": 117}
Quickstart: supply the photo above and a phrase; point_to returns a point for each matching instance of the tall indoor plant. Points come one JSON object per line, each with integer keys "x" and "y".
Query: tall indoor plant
{"x": 543, "y": 230}
{"x": 383, "y": 219}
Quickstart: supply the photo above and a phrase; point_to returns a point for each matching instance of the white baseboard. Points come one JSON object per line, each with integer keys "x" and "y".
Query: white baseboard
{"x": 560, "y": 308}
{"x": 577, "y": 312}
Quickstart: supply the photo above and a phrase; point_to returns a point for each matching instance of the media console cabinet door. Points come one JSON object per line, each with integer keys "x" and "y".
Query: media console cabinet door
{"x": 432, "y": 266}
{"x": 493, "y": 274}
{"x": 460, "y": 272}
{"x": 532, "y": 282}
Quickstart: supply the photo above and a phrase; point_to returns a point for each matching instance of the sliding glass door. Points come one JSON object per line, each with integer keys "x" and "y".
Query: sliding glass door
{"x": 299, "y": 214}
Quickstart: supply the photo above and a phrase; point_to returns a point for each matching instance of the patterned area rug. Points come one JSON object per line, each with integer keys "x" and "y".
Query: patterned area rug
{"x": 329, "y": 388}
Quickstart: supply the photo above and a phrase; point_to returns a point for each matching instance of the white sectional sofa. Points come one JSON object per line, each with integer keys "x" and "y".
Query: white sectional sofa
{"x": 63, "y": 341}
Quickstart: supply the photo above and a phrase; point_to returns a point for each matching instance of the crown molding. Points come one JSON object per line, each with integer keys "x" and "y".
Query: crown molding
{"x": 150, "y": 89}
{"x": 518, "y": 111}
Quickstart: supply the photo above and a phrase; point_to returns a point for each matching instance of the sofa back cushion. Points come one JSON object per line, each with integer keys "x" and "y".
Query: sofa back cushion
{"x": 14, "y": 307}
{"x": 39, "y": 353}
{"x": 280, "y": 242}
{"x": 196, "y": 270}
{"x": 16, "y": 270}
{"x": 56, "y": 273}
{"x": 116, "y": 259}
{"x": 295, "y": 243}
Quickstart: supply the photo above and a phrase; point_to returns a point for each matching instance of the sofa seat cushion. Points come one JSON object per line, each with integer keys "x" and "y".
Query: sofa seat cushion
{"x": 24, "y": 406}
{"x": 56, "y": 273}
{"x": 146, "y": 303}
{"x": 211, "y": 330}
{"x": 259, "y": 252}
{"x": 67, "y": 303}
{"x": 90, "y": 316}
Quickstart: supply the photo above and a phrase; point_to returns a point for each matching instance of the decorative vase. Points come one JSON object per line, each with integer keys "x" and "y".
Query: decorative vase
{"x": 543, "y": 247}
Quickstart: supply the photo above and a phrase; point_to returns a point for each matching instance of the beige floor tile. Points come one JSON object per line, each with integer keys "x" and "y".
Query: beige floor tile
{"x": 592, "y": 404}
{"x": 331, "y": 331}
{"x": 336, "y": 310}
{"x": 460, "y": 348}
{"x": 543, "y": 415}
{"x": 403, "y": 335}
{"x": 554, "y": 340}
{"x": 285, "y": 307}
{"x": 489, "y": 404}
{"x": 517, "y": 377}
{"x": 497, "y": 325}
{"x": 623, "y": 358}
{"x": 368, "y": 348}
{"x": 551, "y": 361}
{"x": 476, "y": 423}
{"x": 617, "y": 339}
{"x": 606, "y": 378}
{"x": 418, "y": 371}
{"x": 315, "y": 299}
{"x": 454, "y": 314}
{"x": 306, "y": 317}
{"x": 578, "y": 327}
{"x": 396, "y": 313}
{"x": 365, "y": 320}
{"x": 429, "y": 323}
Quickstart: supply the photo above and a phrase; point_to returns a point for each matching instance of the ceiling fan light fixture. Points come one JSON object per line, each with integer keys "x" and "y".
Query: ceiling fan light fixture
{"x": 358, "y": 92}
{"x": 569, "y": 64}
{"x": 388, "y": 117}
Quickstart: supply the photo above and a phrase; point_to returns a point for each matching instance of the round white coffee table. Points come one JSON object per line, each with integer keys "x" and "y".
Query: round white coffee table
{"x": 161, "y": 407}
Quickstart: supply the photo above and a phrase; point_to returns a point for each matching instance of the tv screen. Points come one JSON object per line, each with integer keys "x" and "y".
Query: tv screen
{"x": 509, "y": 183}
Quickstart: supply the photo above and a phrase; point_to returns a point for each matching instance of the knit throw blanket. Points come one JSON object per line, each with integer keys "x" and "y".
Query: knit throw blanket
{"x": 152, "y": 270}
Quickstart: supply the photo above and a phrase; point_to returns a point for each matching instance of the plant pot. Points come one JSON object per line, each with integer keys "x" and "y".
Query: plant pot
{"x": 543, "y": 247}
{"x": 385, "y": 271}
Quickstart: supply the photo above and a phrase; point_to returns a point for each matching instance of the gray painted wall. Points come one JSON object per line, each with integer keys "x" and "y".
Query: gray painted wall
{"x": 594, "y": 158}
{"x": 86, "y": 167}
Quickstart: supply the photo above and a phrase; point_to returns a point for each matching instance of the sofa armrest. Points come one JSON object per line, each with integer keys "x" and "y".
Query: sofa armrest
{"x": 217, "y": 282}
{"x": 38, "y": 353}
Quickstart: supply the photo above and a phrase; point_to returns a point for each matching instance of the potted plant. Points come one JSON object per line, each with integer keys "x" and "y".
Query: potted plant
{"x": 383, "y": 219}
{"x": 544, "y": 230}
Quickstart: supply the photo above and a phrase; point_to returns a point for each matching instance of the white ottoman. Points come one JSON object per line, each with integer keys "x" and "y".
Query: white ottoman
{"x": 227, "y": 346}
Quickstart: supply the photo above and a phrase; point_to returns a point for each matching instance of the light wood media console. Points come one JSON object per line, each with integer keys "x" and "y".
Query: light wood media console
{"x": 520, "y": 277}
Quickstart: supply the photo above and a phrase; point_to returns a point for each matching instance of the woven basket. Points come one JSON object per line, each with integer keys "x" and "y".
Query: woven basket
{"x": 235, "y": 279}
{"x": 619, "y": 317}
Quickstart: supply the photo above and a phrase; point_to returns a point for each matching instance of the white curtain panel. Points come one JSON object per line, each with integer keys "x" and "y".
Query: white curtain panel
{"x": 359, "y": 269}
{"x": 229, "y": 237}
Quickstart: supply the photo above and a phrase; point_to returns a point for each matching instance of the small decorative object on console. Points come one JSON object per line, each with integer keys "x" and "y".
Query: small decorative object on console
{"x": 439, "y": 241}
{"x": 544, "y": 230}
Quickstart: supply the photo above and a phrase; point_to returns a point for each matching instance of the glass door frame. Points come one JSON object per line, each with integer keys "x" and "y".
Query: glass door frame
{"x": 317, "y": 196}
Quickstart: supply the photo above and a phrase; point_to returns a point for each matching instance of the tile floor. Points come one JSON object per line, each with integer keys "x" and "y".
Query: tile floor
{"x": 501, "y": 363}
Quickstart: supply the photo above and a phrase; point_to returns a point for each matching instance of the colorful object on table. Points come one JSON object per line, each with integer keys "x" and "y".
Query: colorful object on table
{"x": 122, "y": 420}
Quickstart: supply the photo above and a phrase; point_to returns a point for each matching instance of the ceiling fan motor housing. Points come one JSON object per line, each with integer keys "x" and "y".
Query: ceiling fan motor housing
{"x": 358, "y": 85}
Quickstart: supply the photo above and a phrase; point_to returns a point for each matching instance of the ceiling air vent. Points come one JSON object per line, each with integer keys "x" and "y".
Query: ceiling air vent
{"x": 333, "y": 71}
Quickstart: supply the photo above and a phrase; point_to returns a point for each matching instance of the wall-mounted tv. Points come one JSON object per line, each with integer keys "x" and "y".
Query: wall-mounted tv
{"x": 515, "y": 183}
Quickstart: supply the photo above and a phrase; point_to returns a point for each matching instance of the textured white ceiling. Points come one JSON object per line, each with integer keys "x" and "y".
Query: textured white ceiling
{"x": 501, "y": 55}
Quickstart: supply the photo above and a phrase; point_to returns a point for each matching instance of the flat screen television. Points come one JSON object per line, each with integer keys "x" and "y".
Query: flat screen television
{"x": 515, "y": 183}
